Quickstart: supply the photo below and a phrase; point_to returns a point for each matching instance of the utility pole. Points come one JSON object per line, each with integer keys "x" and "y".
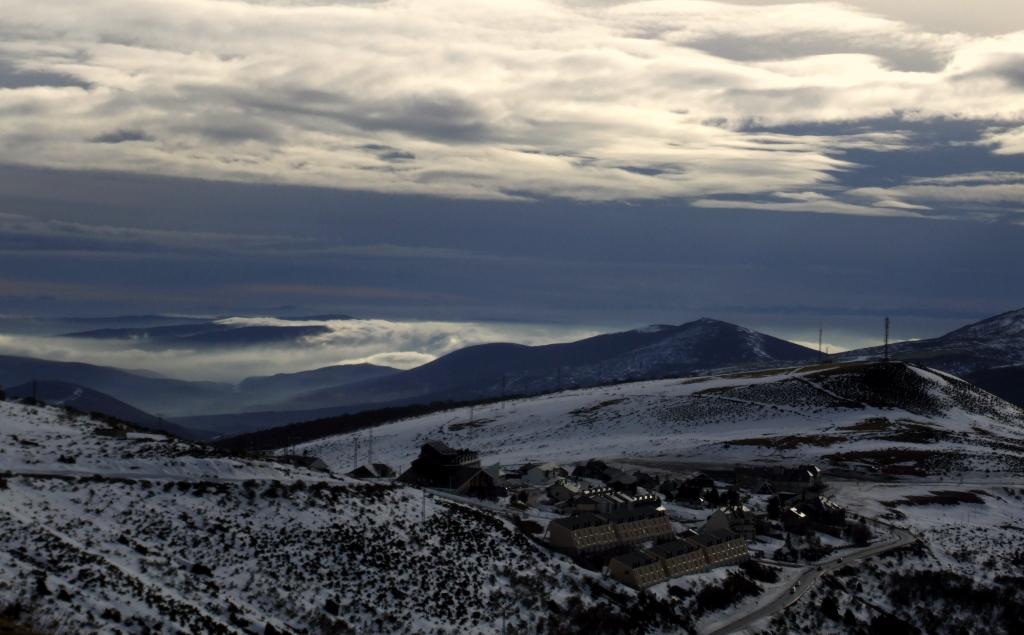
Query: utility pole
{"x": 820, "y": 357}
{"x": 34, "y": 394}
{"x": 369, "y": 454}
{"x": 886, "y": 339}
{"x": 355, "y": 451}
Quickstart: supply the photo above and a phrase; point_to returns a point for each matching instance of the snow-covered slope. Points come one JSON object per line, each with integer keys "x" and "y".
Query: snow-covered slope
{"x": 151, "y": 535}
{"x": 996, "y": 341}
{"x": 889, "y": 417}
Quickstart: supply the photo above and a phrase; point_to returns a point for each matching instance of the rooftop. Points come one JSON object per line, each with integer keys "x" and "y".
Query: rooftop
{"x": 673, "y": 549}
{"x": 572, "y": 523}
{"x": 635, "y": 559}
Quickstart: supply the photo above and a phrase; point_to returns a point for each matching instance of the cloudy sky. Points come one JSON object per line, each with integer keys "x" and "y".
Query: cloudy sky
{"x": 586, "y": 162}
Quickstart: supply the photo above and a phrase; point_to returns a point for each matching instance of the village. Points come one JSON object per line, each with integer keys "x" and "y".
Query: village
{"x": 644, "y": 527}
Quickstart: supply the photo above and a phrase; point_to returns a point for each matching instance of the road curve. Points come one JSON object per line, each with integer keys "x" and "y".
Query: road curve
{"x": 808, "y": 580}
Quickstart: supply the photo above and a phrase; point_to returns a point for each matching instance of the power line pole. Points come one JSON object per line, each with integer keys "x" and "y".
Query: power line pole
{"x": 369, "y": 455}
{"x": 820, "y": 357}
{"x": 886, "y": 339}
{"x": 355, "y": 451}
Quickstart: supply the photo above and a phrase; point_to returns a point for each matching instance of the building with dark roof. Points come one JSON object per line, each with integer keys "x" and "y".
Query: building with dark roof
{"x": 453, "y": 469}
{"x": 721, "y": 547}
{"x": 587, "y": 533}
{"x": 781, "y": 478}
{"x": 637, "y": 569}
{"x": 679, "y": 557}
{"x": 737, "y": 518}
{"x": 309, "y": 462}
{"x": 693, "y": 554}
{"x": 373, "y": 470}
{"x": 640, "y": 524}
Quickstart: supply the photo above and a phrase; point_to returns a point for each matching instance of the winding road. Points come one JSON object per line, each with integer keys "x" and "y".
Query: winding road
{"x": 810, "y": 579}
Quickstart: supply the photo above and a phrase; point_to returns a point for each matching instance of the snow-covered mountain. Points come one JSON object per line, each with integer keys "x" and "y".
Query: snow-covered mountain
{"x": 491, "y": 370}
{"x": 146, "y": 534}
{"x": 989, "y": 353}
{"x": 993, "y": 342}
{"x": 894, "y": 418}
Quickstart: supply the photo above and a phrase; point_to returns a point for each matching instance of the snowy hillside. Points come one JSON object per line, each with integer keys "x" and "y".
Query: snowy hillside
{"x": 993, "y": 342}
{"x": 892, "y": 418}
{"x": 144, "y": 534}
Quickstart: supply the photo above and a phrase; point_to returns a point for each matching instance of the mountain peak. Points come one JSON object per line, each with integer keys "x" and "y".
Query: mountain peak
{"x": 1009, "y": 324}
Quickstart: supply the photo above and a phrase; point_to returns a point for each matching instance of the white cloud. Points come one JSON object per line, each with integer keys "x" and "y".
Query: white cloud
{"x": 392, "y": 343}
{"x": 1006, "y": 141}
{"x": 981, "y": 190}
{"x": 499, "y": 100}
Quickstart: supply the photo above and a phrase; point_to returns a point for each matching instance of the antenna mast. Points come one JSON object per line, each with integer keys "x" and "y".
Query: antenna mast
{"x": 886, "y": 339}
{"x": 820, "y": 356}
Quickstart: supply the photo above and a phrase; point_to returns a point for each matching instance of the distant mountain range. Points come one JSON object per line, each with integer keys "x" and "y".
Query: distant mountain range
{"x": 491, "y": 370}
{"x": 989, "y": 353}
{"x": 152, "y": 394}
{"x": 176, "y": 398}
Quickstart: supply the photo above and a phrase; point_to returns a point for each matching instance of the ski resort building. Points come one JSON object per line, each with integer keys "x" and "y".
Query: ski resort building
{"x": 640, "y": 524}
{"x": 543, "y": 474}
{"x": 721, "y": 547}
{"x": 739, "y": 518}
{"x": 781, "y": 478}
{"x": 624, "y": 521}
{"x": 583, "y": 534}
{"x": 680, "y": 557}
{"x": 637, "y": 569}
{"x": 373, "y": 470}
{"x": 566, "y": 489}
{"x": 694, "y": 554}
{"x": 453, "y": 469}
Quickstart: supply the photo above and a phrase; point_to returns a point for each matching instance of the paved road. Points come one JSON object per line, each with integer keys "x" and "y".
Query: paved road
{"x": 808, "y": 580}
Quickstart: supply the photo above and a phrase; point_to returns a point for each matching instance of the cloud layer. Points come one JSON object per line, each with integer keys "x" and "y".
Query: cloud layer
{"x": 383, "y": 342}
{"x": 509, "y": 99}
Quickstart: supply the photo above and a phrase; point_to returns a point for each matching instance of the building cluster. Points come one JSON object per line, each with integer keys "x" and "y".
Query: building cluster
{"x": 778, "y": 479}
{"x": 690, "y": 554}
{"x": 638, "y": 536}
{"x": 809, "y": 511}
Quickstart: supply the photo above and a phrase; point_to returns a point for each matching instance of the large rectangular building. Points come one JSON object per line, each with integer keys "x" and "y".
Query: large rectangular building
{"x": 637, "y": 569}
{"x": 588, "y": 533}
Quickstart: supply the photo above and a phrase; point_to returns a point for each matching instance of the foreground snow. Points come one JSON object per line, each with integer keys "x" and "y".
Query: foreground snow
{"x": 150, "y": 535}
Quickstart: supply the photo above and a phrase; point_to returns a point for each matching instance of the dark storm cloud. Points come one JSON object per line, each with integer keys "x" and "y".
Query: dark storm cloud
{"x": 13, "y": 77}
{"x": 122, "y": 136}
{"x": 387, "y": 153}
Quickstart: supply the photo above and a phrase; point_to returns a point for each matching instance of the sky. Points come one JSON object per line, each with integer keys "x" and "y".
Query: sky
{"x": 584, "y": 165}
